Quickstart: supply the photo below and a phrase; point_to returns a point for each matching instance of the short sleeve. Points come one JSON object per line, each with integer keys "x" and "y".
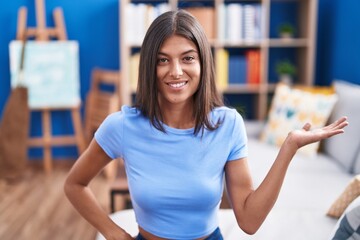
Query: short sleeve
{"x": 109, "y": 135}
{"x": 239, "y": 148}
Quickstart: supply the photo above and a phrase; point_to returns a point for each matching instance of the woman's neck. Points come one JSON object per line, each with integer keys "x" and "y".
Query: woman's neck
{"x": 180, "y": 117}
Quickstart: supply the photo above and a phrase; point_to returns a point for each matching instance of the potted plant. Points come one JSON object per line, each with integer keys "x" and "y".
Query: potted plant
{"x": 286, "y": 30}
{"x": 286, "y": 71}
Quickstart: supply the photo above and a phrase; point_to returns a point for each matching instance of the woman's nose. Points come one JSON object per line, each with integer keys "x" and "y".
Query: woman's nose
{"x": 176, "y": 70}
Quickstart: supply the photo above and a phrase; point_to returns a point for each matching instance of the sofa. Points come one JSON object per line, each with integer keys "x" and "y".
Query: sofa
{"x": 313, "y": 184}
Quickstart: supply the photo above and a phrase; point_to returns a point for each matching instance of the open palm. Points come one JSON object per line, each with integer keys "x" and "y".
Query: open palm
{"x": 306, "y": 136}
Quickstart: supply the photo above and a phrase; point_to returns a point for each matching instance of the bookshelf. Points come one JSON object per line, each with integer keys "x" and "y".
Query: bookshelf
{"x": 264, "y": 40}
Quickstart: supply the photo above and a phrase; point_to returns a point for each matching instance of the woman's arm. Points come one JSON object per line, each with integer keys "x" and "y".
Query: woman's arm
{"x": 80, "y": 195}
{"x": 252, "y": 206}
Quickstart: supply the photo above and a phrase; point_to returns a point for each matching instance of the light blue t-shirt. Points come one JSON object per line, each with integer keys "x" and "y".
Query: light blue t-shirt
{"x": 175, "y": 178}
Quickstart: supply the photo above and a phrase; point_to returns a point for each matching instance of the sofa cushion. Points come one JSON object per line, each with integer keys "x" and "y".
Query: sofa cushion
{"x": 348, "y": 226}
{"x": 343, "y": 148}
{"x": 310, "y": 187}
{"x": 351, "y": 192}
{"x": 254, "y": 128}
{"x": 311, "y": 183}
{"x": 290, "y": 109}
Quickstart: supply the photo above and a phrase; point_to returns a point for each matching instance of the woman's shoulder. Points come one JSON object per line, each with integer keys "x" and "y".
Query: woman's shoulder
{"x": 124, "y": 113}
{"x": 226, "y": 112}
{"x": 129, "y": 111}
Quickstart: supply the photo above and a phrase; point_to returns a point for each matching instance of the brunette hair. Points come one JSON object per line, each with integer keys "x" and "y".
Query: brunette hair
{"x": 206, "y": 98}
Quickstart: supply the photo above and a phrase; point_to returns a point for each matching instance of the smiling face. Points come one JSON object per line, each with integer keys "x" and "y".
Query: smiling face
{"x": 178, "y": 71}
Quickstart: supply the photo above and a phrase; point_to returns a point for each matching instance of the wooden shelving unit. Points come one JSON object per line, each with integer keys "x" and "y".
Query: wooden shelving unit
{"x": 302, "y": 45}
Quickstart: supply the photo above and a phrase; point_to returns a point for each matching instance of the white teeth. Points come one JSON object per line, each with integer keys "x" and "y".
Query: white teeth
{"x": 177, "y": 85}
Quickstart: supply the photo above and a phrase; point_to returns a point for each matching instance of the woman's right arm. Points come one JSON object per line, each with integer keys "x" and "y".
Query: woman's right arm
{"x": 76, "y": 188}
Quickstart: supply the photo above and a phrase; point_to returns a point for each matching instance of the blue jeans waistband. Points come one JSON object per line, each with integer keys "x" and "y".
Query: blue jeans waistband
{"x": 215, "y": 235}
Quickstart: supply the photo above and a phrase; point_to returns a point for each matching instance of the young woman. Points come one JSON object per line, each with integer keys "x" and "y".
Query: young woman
{"x": 178, "y": 142}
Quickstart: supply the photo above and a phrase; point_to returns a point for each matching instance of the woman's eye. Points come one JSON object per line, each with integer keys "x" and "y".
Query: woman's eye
{"x": 162, "y": 60}
{"x": 189, "y": 58}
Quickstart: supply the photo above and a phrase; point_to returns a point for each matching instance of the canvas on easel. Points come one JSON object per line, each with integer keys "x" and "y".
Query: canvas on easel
{"x": 51, "y": 74}
{"x": 52, "y": 78}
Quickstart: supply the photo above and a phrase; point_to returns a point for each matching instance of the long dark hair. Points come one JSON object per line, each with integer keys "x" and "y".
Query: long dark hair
{"x": 206, "y": 98}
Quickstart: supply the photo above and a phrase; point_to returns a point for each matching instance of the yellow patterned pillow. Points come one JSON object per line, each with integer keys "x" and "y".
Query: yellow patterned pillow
{"x": 316, "y": 89}
{"x": 351, "y": 192}
{"x": 290, "y": 109}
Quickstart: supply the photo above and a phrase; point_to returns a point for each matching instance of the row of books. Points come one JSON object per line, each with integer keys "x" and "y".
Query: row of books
{"x": 236, "y": 21}
{"x": 237, "y": 68}
{"x": 240, "y": 22}
{"x": 230, "y": 68}
{"x": 141, "y": 15}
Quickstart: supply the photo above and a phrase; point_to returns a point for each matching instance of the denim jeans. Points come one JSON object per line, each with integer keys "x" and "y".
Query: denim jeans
{"x": 215, "y": 235}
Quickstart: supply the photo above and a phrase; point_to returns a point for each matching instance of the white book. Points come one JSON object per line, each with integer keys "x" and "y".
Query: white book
{"x": 249, "y": 22}
{"x": 141, "y": 23}
{"x": 234, "y": 21}
{"x": 259, "y": 21}
{"x": 130, "y": 27}
{"x": 221, "y": 22}
{"x": 136, "y": 27}
{"x": 150, "y": 15}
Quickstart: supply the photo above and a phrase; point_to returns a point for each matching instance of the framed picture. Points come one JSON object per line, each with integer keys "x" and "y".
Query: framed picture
{"x": 51, "y": 72}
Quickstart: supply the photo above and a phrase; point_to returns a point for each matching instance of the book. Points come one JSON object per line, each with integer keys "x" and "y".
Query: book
{"x": 234, "y": 22}
{"x": 249, "y": 22}
{"x": 142, "y": 16}
{"x": 252, "y": 22}
{"x": 253, "y": 66}
{"x": 134, "y": 70}
{"x": 221, "y": 22}
{"x": 222, "y": 68}
{"x": 237, "y": 69}
{"x": 206, "y": 17}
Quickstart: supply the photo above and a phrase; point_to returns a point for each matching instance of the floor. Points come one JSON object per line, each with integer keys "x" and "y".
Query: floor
{"x": 35, "y": 207}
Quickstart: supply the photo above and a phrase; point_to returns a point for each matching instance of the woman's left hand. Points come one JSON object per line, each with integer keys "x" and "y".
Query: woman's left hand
{"x": 305, "y": 136}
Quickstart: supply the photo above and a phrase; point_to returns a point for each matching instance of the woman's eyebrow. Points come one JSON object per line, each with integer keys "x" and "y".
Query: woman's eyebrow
{"x": 186, "y": 52}
{"x": 190, "y": 51}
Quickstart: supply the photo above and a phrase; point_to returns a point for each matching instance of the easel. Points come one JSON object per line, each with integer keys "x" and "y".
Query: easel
{"x": 41, "y": 33}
